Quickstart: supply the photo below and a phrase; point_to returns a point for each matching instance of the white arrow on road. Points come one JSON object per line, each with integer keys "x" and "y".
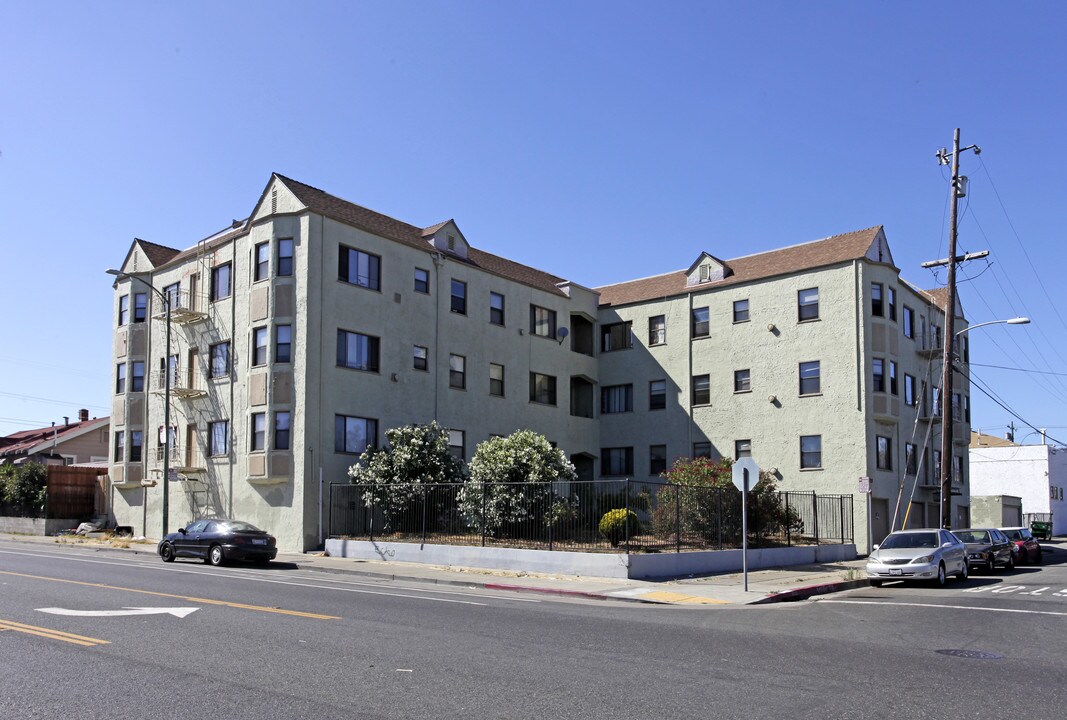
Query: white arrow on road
{"x": 176, "y": 612}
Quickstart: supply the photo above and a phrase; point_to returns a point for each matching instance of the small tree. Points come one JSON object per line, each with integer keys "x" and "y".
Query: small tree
{"x": 395, "y": 475}
{"x": 515, "y": 479}
{"x": 25, "y": 488}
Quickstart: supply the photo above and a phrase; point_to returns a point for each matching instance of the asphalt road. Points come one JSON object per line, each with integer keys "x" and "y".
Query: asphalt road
{"x": 278, "y": 642}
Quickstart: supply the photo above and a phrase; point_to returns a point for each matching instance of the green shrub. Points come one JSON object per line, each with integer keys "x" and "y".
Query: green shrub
{"x": 613, "y": 525}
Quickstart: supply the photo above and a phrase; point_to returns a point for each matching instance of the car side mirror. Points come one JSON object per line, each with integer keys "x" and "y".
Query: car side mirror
{"x": 875, "y": 547}
{"x": 181, "y": 530}
{"x": 947, "y": 545}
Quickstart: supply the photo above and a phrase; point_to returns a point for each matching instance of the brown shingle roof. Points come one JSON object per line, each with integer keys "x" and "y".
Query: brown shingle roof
{"x": 323, "y": 203}
{"x": 982, "y": 440}
{"x": 820, "y": 253}
{"x": 157, "y": 254}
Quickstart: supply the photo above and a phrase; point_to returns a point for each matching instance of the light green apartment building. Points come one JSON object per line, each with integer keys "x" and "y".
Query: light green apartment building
{"x": 301, "y": 334}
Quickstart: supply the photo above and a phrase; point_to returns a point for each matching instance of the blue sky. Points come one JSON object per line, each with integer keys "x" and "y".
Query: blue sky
{"x": 600, "y": 141}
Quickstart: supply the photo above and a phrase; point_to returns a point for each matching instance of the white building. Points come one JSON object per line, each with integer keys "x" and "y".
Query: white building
{"x": 1035, "y": 473}
{"x": 302, "y": 333}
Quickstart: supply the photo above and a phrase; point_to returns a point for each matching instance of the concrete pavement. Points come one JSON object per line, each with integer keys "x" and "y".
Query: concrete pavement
{"x": 764, "y": 586}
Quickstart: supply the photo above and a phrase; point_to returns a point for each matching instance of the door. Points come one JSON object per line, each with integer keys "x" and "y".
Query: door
{"x": 191, "y": 372}
{"x": 879, "y": 519}
{"x": 191, "y": 451}
{"x": 185, "y": 544}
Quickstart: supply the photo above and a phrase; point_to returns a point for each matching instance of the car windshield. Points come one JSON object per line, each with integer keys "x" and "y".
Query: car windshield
{"x": 910, "y": 540}
{"x": 974, "y": 536}
{"x": 1014, "y": 534}
{"x": 241, "y": 526}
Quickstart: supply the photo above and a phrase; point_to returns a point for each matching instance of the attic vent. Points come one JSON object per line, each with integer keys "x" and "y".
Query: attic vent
{"x": 452, "y": 243}
{"x": 274, "y": 200}
{"x": 705, "y": 273}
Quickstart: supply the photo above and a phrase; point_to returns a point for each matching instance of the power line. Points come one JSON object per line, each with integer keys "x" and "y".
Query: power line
{"x": 1025, "y": 370}
{"x": 1017, "y": 416}
{"x": 67, "y": 403}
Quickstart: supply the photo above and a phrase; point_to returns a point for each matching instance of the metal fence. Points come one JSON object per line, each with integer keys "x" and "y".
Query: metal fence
{"x": 649, "y": 516}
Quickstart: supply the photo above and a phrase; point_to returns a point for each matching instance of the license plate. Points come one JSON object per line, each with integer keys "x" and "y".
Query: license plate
{"x": 894, "y": 571}
{"x": 259, "y": 541}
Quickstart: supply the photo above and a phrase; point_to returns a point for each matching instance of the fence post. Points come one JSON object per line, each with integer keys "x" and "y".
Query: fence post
{"x": 677, "y": 518}
{"x": 755, "y": 519}
{"x": 370, "y": 520}
{"x": 627, "y": 523}
{"x": 423, "y": 513}
{"x": 719, "y": 516}
{"x": 815, "y": 511}
{"x": 841, "y": 504}
{"x": 485, "y": 488}
{"x": 788, "y": 524}
{"x": 548, "y": 491}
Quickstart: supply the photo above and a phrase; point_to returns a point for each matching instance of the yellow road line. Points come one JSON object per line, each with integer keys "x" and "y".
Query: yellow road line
{"x": 52, "y": 634}
{"x": 206, "y": 601}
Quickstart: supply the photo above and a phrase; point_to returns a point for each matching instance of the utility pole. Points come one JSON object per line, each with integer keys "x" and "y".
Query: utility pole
{"x": 948, "y": 369}
{"x": 1011, "y": 431}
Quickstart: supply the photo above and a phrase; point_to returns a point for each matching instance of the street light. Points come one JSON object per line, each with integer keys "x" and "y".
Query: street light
{"x": 946, "y": 425}
{"x": 119, "y": 275}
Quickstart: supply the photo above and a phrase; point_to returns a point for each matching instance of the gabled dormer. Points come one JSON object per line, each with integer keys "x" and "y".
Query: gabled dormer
{"x": 879, "y": 249}
{"x": 277, "y": 199}
{"x": 447, "y": 238}
{"x": 707, "y": 269}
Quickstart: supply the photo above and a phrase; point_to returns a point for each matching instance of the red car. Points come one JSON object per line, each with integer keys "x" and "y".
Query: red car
{"x": 1027, "y": 548}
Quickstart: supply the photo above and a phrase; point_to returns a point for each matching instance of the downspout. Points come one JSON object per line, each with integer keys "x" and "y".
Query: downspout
{"x": 689, "y": 377}
{"x": 860, "y": 370}
{"x": 322, "y": 339}
{"x": 438, "y": 263}
{"x": 233, "y": 324}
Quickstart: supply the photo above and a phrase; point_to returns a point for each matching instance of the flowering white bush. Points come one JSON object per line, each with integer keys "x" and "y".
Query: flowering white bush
{"x": 516, "y": 478}
{"x": 415, "y": 455}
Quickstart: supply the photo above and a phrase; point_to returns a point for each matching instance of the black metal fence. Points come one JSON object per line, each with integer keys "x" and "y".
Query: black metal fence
{"x": 600, "y": 515}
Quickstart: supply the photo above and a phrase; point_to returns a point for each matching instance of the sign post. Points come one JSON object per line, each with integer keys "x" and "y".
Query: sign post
{"x": 745, "y": 475}
{"x": 865, "y": 488}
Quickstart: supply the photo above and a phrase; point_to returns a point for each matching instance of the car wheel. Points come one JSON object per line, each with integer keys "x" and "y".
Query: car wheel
{"x": 166, "y": 551}
{"x": 991, "y": 566}
{"x": 876, "y": 583}
{"x": 1011, "y": 562}
{"x": 214, "y": 555}
{"x": 1037, "y": 558}
{"x": 1024, "y": 557}
{"x": 964, "y": 572}
{"x": 941, "y": 575}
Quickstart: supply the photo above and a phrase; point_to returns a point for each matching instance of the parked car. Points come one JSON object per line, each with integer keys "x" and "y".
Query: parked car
{"x": 987, "y": 548}
{"x": 929, "y": 554}
{"x": 1027, "y": 548}
{"x": 216, "y": 540}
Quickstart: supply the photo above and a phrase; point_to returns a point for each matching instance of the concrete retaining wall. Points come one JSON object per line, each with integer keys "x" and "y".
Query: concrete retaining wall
{"x": 613, "y": 565}
{"x": 36, "y": 526}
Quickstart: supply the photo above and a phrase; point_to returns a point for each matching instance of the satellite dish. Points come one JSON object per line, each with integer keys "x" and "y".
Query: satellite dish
{"x": 562, "y": 333}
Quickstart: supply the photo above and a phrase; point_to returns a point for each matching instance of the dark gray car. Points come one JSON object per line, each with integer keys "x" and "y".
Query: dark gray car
{"x": 987, "y": 548}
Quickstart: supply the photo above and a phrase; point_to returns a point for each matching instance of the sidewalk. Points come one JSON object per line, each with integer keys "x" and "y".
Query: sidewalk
{"x": 764, "y": 586}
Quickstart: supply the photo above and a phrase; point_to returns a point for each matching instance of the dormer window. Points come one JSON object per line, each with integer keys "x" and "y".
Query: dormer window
{"x": 705, "y": 273}
{"x": 451, "y": 243}
{"x": 707, "y": 269}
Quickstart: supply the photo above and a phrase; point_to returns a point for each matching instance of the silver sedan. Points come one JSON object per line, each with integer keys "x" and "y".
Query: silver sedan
{"x": 929, "y": 554}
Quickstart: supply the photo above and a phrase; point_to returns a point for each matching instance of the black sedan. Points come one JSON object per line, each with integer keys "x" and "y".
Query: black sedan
{"x": 216, "y": 540}
{"x": 987, "y": 548}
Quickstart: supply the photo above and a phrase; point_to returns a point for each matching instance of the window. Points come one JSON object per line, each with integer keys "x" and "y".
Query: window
{"x": 120, "y": 378}
{"x": 657, "y": 395}
{"x": 140, "y": 307}
{"x": 285, "y": 257}
{"x": 542, "y": 389}
{"x": 258, "y": 440}
{"x": 220, "y": 359}
{"x": 262, "y": 262}
{"x": 964, "y": 347}
{"x": 810, "y": 451}
{"x": 616, "y": 399}
{"x": 967, "y": 408}
{"x": 422, "y": 281}
{"x": 909, "y": 322}
{"x": 893, "y": 389}
{"x": 168, "y": 370}
{"x": 283, "y": 343}
{"x": 937, "y": 467}
{"x": 419, "y": 354}
{"x": 701, "y": 322}
{"x": 884, "y": 452}
{"x": 701, "y": 389}
{"x": 457, "y": 372}
{"x": 911, "y": 459}
{"x": 496, "y": 308}
{"x": 220, "y": 282}
{"x": 740, "y": 311}
{"x": 657, "y": 459}
{"x": 935, "y": 399}
{"x": 702, "y": 450}
{"x": 136, "y": 440}
{"x": 137, "y": 377}
{"x": 124, "y": 310}
{"x": 218, "y": 438}
{"x": 173, "y": 294}
{"x": 496, "y": 380}
{"x": 810, "y": 382}
{"x": 542, "y": 321}
{"x": 957, "y": 469}
{"x": 878, "y": 373}
{"x": 353, "y": 435}
{"x": 617, "y": 461}
{"x": 877, "y": 308}
{"x": 120, "y": 446}
{"x": 359, "y": 268}
{"x": 357, "y": 351}
{"x": 742, "y": 448}
{"x": 617, "y": 336}
{"x": 281, "y": 430}
{"x": 459, "y": 297}
{"x": 457, "y": 444}
{"x": 808, "y": 304}
{"x": 957, "y": 413}
{"x": 891, "y": 306}
{"x": 742, "y": 381}
{"x": 657, "y": 330}
{"x": 259, "y": 346}
{"x": 910, "y": 397}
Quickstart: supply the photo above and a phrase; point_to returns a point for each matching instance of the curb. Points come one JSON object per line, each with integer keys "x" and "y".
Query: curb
{"x": 804, "y": 593}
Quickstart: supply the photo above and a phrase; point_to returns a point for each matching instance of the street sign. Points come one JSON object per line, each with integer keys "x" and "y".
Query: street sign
{"x": 865, "y": 484}
{"x": 740, "y": 467}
